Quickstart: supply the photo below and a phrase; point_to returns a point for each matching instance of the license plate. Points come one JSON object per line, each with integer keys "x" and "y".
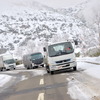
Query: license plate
{"x": 59, "y": 67}
{"x": 66, "y": 65}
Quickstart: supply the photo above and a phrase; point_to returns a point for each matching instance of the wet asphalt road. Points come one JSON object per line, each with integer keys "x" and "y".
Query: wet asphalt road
{"x": 45, "y": 87}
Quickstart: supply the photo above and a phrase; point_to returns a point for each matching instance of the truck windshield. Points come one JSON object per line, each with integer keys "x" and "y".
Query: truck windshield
{"x": 10, "y": 61}
{"x": 36, "y": 56}
{"x": 60, "y": 49}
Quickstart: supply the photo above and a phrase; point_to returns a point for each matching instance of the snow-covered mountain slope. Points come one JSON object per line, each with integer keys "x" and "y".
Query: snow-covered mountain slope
{"x": 26, "y": 24}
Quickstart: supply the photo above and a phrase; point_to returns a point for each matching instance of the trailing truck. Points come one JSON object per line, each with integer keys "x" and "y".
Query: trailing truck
{"x": 7, "y": 62}
{"x": 33, "y": 60}
{"x": 59, "y": 56}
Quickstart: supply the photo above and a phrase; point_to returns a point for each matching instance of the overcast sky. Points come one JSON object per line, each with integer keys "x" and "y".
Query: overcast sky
{"x": 60, "y": 3}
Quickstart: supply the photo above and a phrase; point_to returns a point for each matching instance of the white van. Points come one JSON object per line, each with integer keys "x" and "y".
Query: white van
{"x": 7, "y": 62}
{"x": 59, "y": 56}
{"x": 33, "y": 60}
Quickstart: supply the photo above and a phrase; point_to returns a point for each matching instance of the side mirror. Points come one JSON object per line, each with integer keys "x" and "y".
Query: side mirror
{"x": 4, "y": 61}
{"x": 76, "y": 42}
{"x": 44, "y": 49}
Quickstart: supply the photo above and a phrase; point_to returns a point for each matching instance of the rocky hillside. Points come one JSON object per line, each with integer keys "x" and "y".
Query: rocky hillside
{"x": 25, "y": 27}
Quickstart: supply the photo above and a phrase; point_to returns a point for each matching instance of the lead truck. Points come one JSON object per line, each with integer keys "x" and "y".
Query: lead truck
{"x": 59, "y": 56}
{"x": 7, "y": 62}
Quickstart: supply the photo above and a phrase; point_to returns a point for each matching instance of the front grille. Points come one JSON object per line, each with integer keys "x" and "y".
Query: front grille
{"x": 11, "y": 66}
{"x": 63, "y": 61}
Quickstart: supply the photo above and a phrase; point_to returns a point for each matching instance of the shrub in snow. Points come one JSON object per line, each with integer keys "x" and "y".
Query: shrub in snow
{"x": 93, "y": 52}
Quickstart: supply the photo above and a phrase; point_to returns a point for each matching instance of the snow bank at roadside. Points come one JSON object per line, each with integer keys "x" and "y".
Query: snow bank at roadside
{"x": 4, "y": 79}
{"x": 79, "y": 91}
{"x": 90, "y": 68}
{"x": 21, "y": 66}
{"x": 89, "y": 59}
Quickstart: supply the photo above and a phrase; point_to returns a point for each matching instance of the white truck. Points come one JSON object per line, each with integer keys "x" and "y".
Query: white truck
{"x": 59, "y": 56}
{"x": 7, "y": 62}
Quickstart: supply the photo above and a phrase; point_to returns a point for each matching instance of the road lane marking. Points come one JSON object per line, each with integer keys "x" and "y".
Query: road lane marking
{"x": 41, "y": 96}
{"x": 41, "y": 81}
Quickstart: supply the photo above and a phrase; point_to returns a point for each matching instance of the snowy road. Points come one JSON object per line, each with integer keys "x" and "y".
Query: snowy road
{"x": 82, "y": 84}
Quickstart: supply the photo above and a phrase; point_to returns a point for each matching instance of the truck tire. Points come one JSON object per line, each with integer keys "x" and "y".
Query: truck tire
{"x": 28, "y": 67}
{"x": 14, "y": 68}
{"x": 47, "y": 68}
{"x": 36, "y": 66}
{"x": 1, "y": 69}
{"x": 48, "y": 71}
{"x": 51, "y": 72}
{"x": 75, "y": 68}
{"x": 43, "y": 65}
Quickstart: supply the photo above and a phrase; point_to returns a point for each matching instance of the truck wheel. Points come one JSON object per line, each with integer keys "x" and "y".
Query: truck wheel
{"x": 28, "y": 67}
{"x": 1, "y": 69}
{"x": 35, "y": 66}
{"x": 14, "y": 68}
{"x": 4, "y": 69}
{"x": 75, "y": 68}
{"x": 52, "y": 72}
{"x": 43, "y": 65}
{"x": 48, "y": 71}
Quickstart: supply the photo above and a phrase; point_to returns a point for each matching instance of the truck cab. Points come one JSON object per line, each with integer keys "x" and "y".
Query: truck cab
{"x": 59, "y": 56}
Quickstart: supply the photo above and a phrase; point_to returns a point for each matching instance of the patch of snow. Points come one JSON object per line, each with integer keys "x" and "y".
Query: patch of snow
{"x": 78, "y": 91}
{"x": 37, "y": 72}
{"x": 89, "y": 68}
{"x": 24, "y": 78}
{"x": 95, "y": 72}
{"x": 90, "y": 59}
{"x": 4, "y": 79}
{"x": 77, "y": 50}
{"x": 21, "y": 66}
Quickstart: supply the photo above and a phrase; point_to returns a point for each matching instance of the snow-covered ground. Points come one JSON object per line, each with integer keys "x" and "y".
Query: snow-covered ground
{"x": 92, "y": 68}
{"x": 90, "y": 59}
{"x": 80, "y": 89}
{"x": 4, "y": 79}
{"x": 6, "y": 76}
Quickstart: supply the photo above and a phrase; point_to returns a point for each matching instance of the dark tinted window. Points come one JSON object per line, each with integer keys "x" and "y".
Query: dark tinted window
{"x": 36, "y": 56}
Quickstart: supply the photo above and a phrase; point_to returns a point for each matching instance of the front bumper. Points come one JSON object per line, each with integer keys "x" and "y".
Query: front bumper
{"x": 10, "y": 67}
{"x": 63, "y": 66}
{"x": 37, "y": 64}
